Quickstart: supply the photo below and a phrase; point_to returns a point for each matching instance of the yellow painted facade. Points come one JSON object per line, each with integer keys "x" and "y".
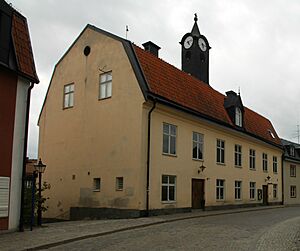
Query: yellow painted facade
{"x": 107, "y": 139}
{"x": 291, "y": 179}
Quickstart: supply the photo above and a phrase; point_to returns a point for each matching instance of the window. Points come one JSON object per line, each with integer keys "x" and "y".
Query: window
{"x": 68, "y": 96}
{"x": 275, "y": 165}
{"x": 238, "y": 155}
{"x": 169, "y": 139}
{"x": 252, "y": 159}
{"x": 238, "y": 117}
{"x": 293, "y": 170}
{"x": 252, "y": 190}
{"x": 4, "y": 196}
{"x": 293, "y": 191}
{"x": 119, "y": 183}
{"x": 237, "y": 190}
{"x": 97, "y": 184}
{"x": 265, "y": 162}
{"x": 197, "y": 145}
{"x": 220, "y": 151}
{"x": 105, "y": 85}
{"x": 275, "y": 187}
{"x": 292, "y": 151}
{"x": 168, "y": 188}
{"x": 220, "y": 195}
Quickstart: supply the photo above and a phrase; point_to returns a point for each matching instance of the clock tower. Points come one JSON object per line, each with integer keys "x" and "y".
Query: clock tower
{"x": 195, "y": 53}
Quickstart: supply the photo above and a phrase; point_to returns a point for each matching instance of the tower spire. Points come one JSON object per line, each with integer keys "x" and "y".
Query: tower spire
{"x": 195, "y": 31}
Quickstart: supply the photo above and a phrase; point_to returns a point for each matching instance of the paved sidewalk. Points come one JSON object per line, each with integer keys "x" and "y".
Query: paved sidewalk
{"x": 54, "y": 234}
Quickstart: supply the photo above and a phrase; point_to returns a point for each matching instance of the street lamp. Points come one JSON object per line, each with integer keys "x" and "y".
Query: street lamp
{"x": 40, "y": 168}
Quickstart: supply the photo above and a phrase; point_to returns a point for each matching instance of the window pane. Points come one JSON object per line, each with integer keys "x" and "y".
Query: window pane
{"x": 173, "y": 130}
{"x": 195, "y": 150}
{"x": 222, "y": 156}
{"x": 164, "y": 193}
{"x": 102, "y": 91}
{"x": 200, "y": 152}
{"x": 172, "y": 179}
{"x": 67, "y": 88}
{"x": 218, "y": 155}
{"x": 108, "y": 90}
{"x": 166, "y": 128}
{"x": 71, "y": 88}
{"x": 165, "y": 143}
{"x": 171, "y": 193}
{"x": 194, "y": 136}
{"x": 71, "y": 99}
{"x": 109, "y": 76}
{"x": 66, "y": 103}
{"x": 165, "y": 179}
{"x": 103, "y": 78}
{"x": 173, "y": 145}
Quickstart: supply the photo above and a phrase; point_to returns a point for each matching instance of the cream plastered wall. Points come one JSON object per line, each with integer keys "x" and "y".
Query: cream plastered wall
{"x": 291, "y": 181}
{"x": 95, "y": 138}
{"x": 185, "y": 168}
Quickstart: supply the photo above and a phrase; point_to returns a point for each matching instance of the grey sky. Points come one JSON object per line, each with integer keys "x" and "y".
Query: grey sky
{"x": 255, "y": 45}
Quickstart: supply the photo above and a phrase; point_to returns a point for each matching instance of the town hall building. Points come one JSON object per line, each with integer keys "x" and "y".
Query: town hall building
{"x": 124, "y": 133}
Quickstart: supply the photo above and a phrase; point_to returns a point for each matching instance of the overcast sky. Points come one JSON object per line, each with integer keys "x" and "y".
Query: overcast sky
{"x": 255, "y": 45}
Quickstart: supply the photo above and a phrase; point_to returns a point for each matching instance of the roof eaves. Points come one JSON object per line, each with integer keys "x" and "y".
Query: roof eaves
{"x": 167, "y": 102}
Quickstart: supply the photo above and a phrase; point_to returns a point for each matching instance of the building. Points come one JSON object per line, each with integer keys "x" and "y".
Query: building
{"x": 17, "y": 77}
{"x": 291, "y": 172}
{"x": 124, "y": 133}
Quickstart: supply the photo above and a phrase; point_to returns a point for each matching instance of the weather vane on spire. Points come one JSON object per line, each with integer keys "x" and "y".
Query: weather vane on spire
{"x": 195, "y": 18}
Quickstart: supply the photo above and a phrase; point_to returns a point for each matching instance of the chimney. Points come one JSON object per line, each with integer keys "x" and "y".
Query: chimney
{"x": 151, "y": 47}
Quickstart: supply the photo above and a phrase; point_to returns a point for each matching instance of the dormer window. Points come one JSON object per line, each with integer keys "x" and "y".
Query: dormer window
{"x": 292, "y": 151}
{"x": 238, "y": 117}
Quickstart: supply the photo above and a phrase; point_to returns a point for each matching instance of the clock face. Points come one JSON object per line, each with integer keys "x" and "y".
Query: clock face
{"x": 188, "y": 42}
{"x": 202, "y": 44}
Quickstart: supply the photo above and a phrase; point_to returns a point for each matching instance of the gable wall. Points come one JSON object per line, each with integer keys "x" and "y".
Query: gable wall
{"x": 95, "y": 138}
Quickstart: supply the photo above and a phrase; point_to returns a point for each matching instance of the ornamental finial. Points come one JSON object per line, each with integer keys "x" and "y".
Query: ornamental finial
{"x": 195, "y": 18}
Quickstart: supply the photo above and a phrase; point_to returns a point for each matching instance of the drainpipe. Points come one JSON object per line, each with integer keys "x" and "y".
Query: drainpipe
{"x": 282, "y": 181}
{"x": 148, "y": 158}
{"x": 21, "y": 222}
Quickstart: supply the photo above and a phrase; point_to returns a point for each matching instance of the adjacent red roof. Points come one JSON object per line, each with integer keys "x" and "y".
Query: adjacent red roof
{"x": 22, "y": 45}
{"x": 177, "y": 86}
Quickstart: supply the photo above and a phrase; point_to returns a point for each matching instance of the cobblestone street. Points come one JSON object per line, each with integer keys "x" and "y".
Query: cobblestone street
{"x": 276, "y": 229}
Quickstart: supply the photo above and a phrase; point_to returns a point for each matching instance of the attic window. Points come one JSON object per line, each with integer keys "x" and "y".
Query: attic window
{"x": 238, "y": 117}
{"x": 292, "y": 151}
{"x": 272, "y": 134}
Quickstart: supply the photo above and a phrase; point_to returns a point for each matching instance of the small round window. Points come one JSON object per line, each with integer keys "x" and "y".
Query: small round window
{"x": 87, "y": 50}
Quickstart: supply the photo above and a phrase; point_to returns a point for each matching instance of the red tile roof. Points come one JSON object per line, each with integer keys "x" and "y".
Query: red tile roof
{"x": 22, "y": 45}
{"x": 177, "y": 86}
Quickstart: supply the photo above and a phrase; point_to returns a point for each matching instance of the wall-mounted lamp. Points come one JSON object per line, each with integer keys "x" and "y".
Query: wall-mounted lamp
{"x": 202, "y": 167}
{"x": 267, "y": 179}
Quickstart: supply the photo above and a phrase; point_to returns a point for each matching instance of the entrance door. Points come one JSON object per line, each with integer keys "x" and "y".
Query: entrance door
{"x": 265, "y": 195}
{"x": 198, "y": 194}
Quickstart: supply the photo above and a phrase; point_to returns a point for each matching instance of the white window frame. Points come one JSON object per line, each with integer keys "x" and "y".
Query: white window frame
{"x": 293, "y": 170}
{"x": 198, "y": 143}
{"x": 119, "y": 183}
{"x": 275, "y": 191}
{"x": 4, "y": 196}
{"x": 252, "y": 190}
{"x": 220, "y": 151}
{"x": 69, "y": 96}
{"x": 168, "y": 185}
{"x": 96, "y": 184}
{"x": 275, "y": 164}
{"x": 220, "y": 187}
{"x": 238, "y": 117}
{"x": 252, "y": 159}
{"x": 265, "y": 162}
{"x": 238, "y": 155}
{"x": 293, "y": 193}
{"x": 238, "y": 190}
{"x": 105, "y": 85}
{"x": 169, "y": 132}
